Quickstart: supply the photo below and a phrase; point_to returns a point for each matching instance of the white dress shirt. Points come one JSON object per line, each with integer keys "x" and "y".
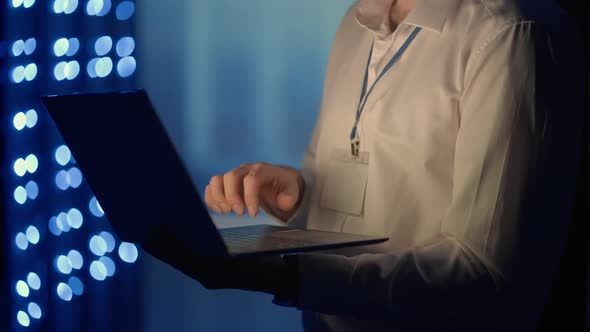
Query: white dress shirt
{"x": 454, "y": 134}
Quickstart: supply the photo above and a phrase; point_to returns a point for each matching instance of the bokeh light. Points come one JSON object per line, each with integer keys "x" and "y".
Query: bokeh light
{"x": 125, "y": 10}
{"x": 34, "y": 310}
{"x": 109, "y": 264}
{"x": 64, "y": 291}
{"x": 98, "y": 271}
{"x": 95, "y": 208}
{"x": 128, "y": 252}
{"x": 32, "y": 234}
{"x": 34, "y": 281}
{"x": 76, "y": 285}
{"x": 76, "y": 259}
{"x": 22, "y": 288}
{"x": 97, "y": 245}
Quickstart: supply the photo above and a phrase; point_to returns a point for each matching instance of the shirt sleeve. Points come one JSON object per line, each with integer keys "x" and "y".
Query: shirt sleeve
{"x": 468, "y": 269}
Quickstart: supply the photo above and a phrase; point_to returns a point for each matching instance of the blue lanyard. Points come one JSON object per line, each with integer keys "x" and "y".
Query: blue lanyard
{"x": 355, "y": 142}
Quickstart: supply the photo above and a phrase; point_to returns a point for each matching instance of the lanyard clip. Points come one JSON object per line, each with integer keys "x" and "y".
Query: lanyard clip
{"x": 355, "y": 144}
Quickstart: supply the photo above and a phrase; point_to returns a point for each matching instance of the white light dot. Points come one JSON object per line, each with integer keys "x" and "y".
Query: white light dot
{"x": 58, "y": 71}
{"x": 20, "y": 167}
{"x": 74, "y": 46}
{"x": 34, "y": 310}
{"x": 103, "y": 45}
{"x": 98, "y": 271}
{"x": 18, "y": 47}
{"x": 32, "y": 234}
{"x": 52, "y": 224}
{"x": 63, "y": 264}
{"x": 109, "y": 264}
{"x": 18, "y": 74}
{"x": 21, "y": 241}
{"x": 32, "y": 118}
{"x": 109, "y": 239}
{"x": 30, "y": 71}
{"x": 95, "y": 208}
{"x": 17, "y": 3}
{"x": 126, "y": 66}
{"x": 93, "y": 7}
{"x": 70, "y": 6}
{"x": 33, "y": 281}
{"x": 103, "y": 67}
{"x": 91, "y": 68}
{"x": 75, "y": 218}
{"x": 22, "y": 288}
{"x": 32, "y": 189}
{"x": 62, "y": 222}
{"x": 62, "y": 155}
{"x": 58, "y": 6}
{"x": 128, "y": 252}
{"x": 76, "y": 259}
{"x": 125, "y": 46}
{"x": 75, "y": 177}
{"x": 71, "y": 70}
{"x": 28, "y": 3}
{"x": 106, "y": 6}
{"x": 125, "y": 10}
{"x": 30, "y": 46}
{"x": 19, "y": 121}
{"x": 76, "y": 285}
{"x": 97, "y": 245}
{"x": 20, "y": 195}
{"x": 64, "y": 291}
{"x": 23, "y": 318}
{"x": 62, "y": 180}
{"x": 32, "y": 163}
{"x": 60, "y": 47}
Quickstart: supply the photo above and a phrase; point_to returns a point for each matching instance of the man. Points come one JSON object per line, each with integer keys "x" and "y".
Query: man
{"x": 432, "y": 132}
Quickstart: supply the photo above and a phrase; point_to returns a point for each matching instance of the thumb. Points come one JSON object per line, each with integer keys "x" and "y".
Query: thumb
{"x": 286, "y": 201}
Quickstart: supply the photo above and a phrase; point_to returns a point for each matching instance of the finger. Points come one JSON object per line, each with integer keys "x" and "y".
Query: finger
{"x": 233, "y": 184}
{"x": 218, "y": 193}
{"x": 259, "y": 175}
{"x": 209, "y": 200}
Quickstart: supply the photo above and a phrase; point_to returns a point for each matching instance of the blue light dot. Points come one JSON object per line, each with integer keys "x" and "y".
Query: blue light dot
{"x": 28, "y": 3}
{"x": 106, "y": 6}
{"x": 76, "y": 259}
{"x": 109, "y": 239}
{"x": 76, "y": 285}
{"x": 19, "y": 121}
{"x": 75, "y": 218}
{"x": 58, "y": 71}
{"x": 52, "y": 224}
{"x": 21, "y": 241}
{"x": 62, "y": 222}
{"x": 74, "y": 46}
{"x": 32, "y": 118}
{"x": 17, "y": 3}
{"x": 125, "y": 10}
{"x": 64, "y": 291}
{"x": 62, "y": 155}
{"x": 60, "y": 47}
{"x": 125, "y": 46}
{"x": 34, "y": 310}
{"x": 18, "y": 47}
{"x": 126, "y": 66}
{"x": 32, "y": 163}
{"x": 109, "y": 264}
{"x": 75, "y": 177}
{"x": 91, "y": 68}
{"x": 30, "y": 71}
{"x": 103, "y": 67}
{"x": 32, "y": 234}
{"x": 18, "y": 74}
{"x": 33, "y": 281}
{"x": 20, "y": 195}
{"x": 63, "y": 264}
{"x": 62, "y": 180}
{"x": 32, "y": 189}
{"x": 22, "y": 288}
{"x": 95, "y": 208}
{"x": 103, "y": 45}
{"x": 98, "y": 271}
{"x": 128, "y": 252}
{"x": 23, "y": 318}
{"x": 71, "y": 70}
{"x": 20, "y": 167}
{"x": 30, "y": 46}
{"x": 97, "y": 245}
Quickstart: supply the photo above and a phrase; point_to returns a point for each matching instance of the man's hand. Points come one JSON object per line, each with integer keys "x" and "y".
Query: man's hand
{"x": 276, "y": 188}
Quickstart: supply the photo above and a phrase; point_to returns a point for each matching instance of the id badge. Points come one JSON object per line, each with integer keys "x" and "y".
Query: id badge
{"x": 346, "y": 183}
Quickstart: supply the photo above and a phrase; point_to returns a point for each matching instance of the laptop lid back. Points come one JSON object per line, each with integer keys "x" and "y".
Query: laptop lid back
{"x": 131, "y": 165}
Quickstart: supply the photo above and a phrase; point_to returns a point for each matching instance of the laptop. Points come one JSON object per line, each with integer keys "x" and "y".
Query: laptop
{"x": 143, "y": 187}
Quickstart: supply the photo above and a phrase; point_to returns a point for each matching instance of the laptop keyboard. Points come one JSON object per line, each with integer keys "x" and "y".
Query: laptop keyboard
{"x": 264, "y": 238}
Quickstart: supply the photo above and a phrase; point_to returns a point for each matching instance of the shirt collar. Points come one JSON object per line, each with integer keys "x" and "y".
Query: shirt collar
{"x": 428, "y": 14}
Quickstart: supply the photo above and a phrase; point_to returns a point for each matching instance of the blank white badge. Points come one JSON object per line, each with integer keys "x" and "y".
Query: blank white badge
{"x": 346, "y": 183}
